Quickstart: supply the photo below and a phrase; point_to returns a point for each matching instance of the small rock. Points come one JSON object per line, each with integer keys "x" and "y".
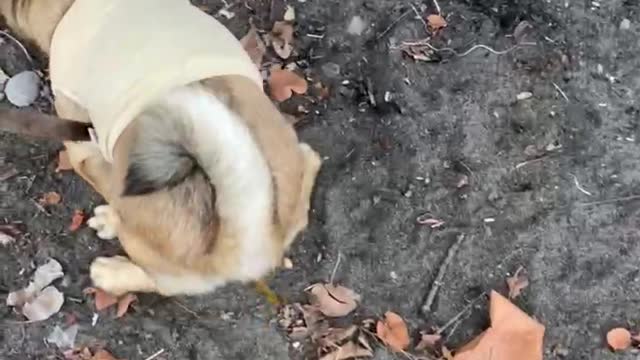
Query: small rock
{"x": 331, "y": 70}
{"x": 524, "y": 95}
{"x": 356, "y": 26}
{"x": 23, "y": 89}
{"x": 625, "y": 24}
{"x": 290, "y": 13}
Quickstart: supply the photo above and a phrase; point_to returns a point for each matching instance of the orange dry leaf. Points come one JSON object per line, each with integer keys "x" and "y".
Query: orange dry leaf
{"x": 50, "y": 198}
{"x": 283, "y": 83}
{"x": 436, "y": 22}
{"x": 332, "y": 300}
{"x": 64, "y": 163}
{"x": 512, "y": 335}
{"x": 103, "y": 355}
{"x": 428, "y": 341}
{"x": 517, "y": 283}
{"x": 281, "y": 38}
{"x": 254, "y": 46}
{"x": 393, "y": 331}
{"x": 76, "y": 220}
{"x": 102, "y": 299}
{"x": 619, "y": 339}
{"x": 124, "y": 303}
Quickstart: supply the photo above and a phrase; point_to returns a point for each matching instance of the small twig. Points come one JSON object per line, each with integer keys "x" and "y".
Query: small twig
{"x": 185, "y": 308}
{"x": 426, "y": 26}
{"x": 335, "y": 268}
{"x": 472, "y": 49}
{"x": 575, "y": 180}
{"x": 160, "y": 352}
{"x": 451, "y": 253}
{"x": 459, "y": 315}
{"x": 560, "y": 91}
{"x": 610, "y": 201}
{"x": 525, "y": 163}
{"x": 435, "y": 2}
{"x": 22, "y": 47}
{"x": 394, "y": 23}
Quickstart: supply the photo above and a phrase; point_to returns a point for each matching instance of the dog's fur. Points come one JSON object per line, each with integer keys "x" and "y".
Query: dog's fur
{"x": 208, "y": 185}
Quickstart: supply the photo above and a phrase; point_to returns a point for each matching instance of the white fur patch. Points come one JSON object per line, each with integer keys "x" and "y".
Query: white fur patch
{"x": 230, "y": 156}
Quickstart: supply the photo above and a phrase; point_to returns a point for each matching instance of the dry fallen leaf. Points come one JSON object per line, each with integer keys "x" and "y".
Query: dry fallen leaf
{"x": 393, "y": 332}
{"x": 102, "y": 299}
{"x": 50, "y": 198}
{"x": 124, "y": 303}
{"x": 349, "y": 350}
{"x": 47, "y": 303}
{"x": 436, "y": 22}
{"x": 331, "y": 300}
{"x": 63, "y": 339}
{"x": 76, "y": 220}
{"x": 64, "y": 163}
{"x": 517, "y": 283}
{"x": 44, "y": 275}
{"x": 8, "y": 234}
{"x": 103, "y": 355}
{"x": 281, "y": 39}
{"x": 428, "y": 341}
{"x": 512, "y": 335}
{"x": 254, "y": 46}
{"x": 336, "y": 336}
{"x": 283, "y": 83}
{"x": 619, "y": 339}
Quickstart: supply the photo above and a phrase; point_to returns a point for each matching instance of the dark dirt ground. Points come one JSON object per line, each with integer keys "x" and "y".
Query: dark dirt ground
{"x": 444, "y": 120}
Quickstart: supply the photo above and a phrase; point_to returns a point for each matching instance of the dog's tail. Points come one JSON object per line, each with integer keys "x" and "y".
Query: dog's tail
{"x": 191, "y": 131}
{"x": 35, "y": 20}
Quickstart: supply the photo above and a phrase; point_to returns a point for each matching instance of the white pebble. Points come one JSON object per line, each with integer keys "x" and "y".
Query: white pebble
{"x": 524, "y": 95}
{"x": 23, "y": 88}
{"x": 625, "y": 24}
{"x": 356, "y": 26}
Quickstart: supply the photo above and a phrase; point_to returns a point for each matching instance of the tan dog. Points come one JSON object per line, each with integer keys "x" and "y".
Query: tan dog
{"x": 207, "y": 183}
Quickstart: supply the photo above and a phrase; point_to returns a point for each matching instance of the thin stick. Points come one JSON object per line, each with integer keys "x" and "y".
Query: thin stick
{"x": 451, "y": 253}
{"x": 472, "y": 49}
{"x": 575, "y": 180}
{"x": 560, "y": 91}
{"x": 335, "y": 268}
{"x": 435, "y": 2}
{"x": 426, "y": 26}
{"x": 525, "y": 163}
{"x": 459, "y": 315}
{"x": 160, "y": 352}
{"x": 610, "y": 201}
{"x": 185, "y": 308}
{"x": 396, "y": 21}
{"x": 22, "y": 47}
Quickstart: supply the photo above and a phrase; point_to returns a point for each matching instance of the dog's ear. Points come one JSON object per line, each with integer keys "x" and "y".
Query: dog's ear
{"x": 157, "y": 166}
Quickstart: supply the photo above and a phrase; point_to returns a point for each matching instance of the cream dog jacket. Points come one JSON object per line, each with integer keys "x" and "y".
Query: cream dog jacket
{"x": 115, "y": 57}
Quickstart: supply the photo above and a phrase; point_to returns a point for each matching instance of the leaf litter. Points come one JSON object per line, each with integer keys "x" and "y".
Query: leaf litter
{"x": 103, "y": 300}
{"x": 619, "y": 339}
{"x": 283, "y": 83}
{"x": 282, "y": 39}
{"x": 39, "y": 301}
{"x": 332, "y": 300}
{"x": 392, "y": 330}
{"x": 254, "y": 46}
{"x": 512, "y": 335}
{"x": 518, "y": 282}
{"x": 76, "y": 220}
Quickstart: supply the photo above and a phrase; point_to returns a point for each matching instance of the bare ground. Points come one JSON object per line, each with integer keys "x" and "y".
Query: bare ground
{"x": 442, "y": 121}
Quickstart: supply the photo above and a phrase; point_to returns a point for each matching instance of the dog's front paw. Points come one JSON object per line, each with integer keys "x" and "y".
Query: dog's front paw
{"x": 104, "y": 222}
{"x": 118, "y": 275}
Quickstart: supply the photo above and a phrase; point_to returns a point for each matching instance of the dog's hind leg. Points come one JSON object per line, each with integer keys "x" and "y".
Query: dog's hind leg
{"x": 118, "y": 275}
{"x": 88, "y": 162}
{"x": 35, "y": 20}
